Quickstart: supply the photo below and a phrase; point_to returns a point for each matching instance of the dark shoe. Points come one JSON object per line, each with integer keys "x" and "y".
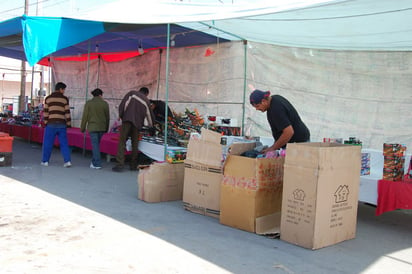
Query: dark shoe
{"x": 133, "y": 166}
{"x": 117, "y": 168}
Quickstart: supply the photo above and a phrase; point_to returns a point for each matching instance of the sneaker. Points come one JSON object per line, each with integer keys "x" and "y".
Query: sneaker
{"x": 117, "y": 168}
{"x": 44, "y": 163}
{"x": 67, "y": 164}
{"x": 95, "y": 167}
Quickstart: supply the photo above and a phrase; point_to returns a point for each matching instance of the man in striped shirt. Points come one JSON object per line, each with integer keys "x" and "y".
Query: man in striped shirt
{"x": 56, "y": 114}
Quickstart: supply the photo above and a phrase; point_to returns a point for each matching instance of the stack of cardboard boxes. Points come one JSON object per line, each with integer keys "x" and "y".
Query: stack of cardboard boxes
{"x": 310, "y": 196}
{"x": 203, "y": 174}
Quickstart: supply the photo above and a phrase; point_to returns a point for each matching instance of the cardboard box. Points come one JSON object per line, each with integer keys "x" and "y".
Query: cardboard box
{"x": 320, "y": 194}
{"x": 251, "y": 194}
{"x": 161, "y": 182}
{"x": 206, "y": 150}
{"x": 201, "y": 189}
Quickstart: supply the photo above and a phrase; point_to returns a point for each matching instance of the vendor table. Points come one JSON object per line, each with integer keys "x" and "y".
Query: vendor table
{"x": 36, "y": 134}
{"x": 155, "y": 151}
{"x": 21, "y": 131}
{"x": 4, "y": 127}
{"x": 394, "y": 195}
{"x": 78, "y": 139}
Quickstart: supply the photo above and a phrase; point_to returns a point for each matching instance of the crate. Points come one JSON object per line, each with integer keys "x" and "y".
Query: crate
{"x": 6, "y": 143}
{"x": 6, "y": 158}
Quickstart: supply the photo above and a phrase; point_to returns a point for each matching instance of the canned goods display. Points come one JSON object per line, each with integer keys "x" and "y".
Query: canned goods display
{"x": 366, "y": 164}
{"x": 393, "y": 161}
{"x": 393, "y": 149}
{"x": 392, "y": 174}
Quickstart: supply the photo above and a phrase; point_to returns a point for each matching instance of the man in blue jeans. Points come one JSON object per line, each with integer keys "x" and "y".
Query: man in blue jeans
{"x": 56, "y": 114}
{"x": 96, "y": 118}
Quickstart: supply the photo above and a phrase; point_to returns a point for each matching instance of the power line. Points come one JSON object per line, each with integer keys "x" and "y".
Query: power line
{"x": 35, "y": 4}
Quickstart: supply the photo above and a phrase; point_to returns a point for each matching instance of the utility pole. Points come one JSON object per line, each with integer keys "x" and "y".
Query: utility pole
{"x": 22, "y": 98}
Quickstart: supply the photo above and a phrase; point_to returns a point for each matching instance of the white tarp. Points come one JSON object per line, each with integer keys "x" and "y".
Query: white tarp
{"x": 339, "y": 94}
{"x": 339, "y": 24}
{"x": 345, "y": 65}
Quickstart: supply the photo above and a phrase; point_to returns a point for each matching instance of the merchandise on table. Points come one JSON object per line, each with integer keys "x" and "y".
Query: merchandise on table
{"x": 333, "y": 140}
{"x": 393, "y": 162}
{"x": 176, "y": 155}
{"x": 353, "y": 141}
{"x": 366, "y": 164}
{"x": 393, "y": 149}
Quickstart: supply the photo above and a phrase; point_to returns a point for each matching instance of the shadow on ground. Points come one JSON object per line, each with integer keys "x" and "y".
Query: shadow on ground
{"x": 382, "y": 241}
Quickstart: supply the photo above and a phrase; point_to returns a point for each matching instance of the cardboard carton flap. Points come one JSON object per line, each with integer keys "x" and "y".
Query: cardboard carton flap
{"x": 322, "y": 155}
{"x": 239, "y": 148}
{"x": 210, "y": 135}
{"x": 269, "y": 224}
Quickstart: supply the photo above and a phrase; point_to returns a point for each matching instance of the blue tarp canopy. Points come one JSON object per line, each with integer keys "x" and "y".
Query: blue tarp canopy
{"x": 34, "y": 38}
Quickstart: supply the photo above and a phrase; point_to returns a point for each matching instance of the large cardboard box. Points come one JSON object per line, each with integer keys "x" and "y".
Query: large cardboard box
{"x": 206, "y": 150}
{"x": 320, "y": 194}
{"x": 201, "y": 190}
{"x": 251, "y": 194}
{"x": 161, "y": 182}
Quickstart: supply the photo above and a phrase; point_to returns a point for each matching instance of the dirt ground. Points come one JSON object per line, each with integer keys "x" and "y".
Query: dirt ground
{"x": 80, "y": 220}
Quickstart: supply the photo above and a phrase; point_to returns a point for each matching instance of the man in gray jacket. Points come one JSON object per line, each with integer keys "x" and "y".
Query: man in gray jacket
{"x": 135, "y": 112}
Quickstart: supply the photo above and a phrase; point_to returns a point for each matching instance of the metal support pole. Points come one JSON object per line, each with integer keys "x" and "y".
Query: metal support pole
{"x": 167, "y": 88}
{"x": 244, "y": 87}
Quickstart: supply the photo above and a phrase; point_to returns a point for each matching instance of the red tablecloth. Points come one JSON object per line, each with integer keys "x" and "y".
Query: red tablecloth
{"x": 109, "y": 143}
{"x": 393, "y": 195}
{"x": 4, "y": 127}
{"x": 21, "y": 131}
{"x": 78, "y": 139}
{"x": 75, "y": 138}
{"x": 37, "y": 134}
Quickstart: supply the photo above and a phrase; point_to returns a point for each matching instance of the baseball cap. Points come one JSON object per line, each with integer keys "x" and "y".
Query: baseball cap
{"x": 257, "y": 96}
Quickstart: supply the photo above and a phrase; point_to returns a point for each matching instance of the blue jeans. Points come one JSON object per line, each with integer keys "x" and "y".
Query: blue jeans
{"x": 50, "y": 133}
{"x": 95, "y": 138}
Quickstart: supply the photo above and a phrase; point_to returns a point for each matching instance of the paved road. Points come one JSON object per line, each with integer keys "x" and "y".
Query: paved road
{"x": 79, "y": 220}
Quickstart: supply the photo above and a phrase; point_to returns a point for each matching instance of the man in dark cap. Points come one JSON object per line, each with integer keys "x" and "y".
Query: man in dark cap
{"x": 284, "y": 120}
